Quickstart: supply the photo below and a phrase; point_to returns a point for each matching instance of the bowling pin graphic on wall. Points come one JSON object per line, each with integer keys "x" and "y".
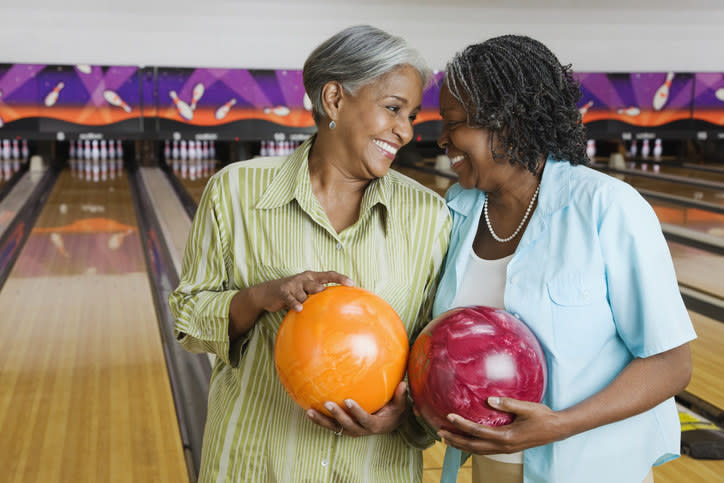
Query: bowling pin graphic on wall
{"x": 720, "y": 94}
{"x": 1, "y": 119}
{"x": 662, "y": 93}
{"x": 224, "y": 110}
{"x": 584, "y": 109}
{"x": 115, "y": 100}
{"x": 52, "y": 97}
{"x": 183, "y": 109}
{"x": 196, "y": 95}
{"x": 630, "y": 111}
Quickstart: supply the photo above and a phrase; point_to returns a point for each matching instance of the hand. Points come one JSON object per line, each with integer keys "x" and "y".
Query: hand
{"x": 534, "y": 425}
{"x": 358, "y": 422}
{"x": 290, "y": 292}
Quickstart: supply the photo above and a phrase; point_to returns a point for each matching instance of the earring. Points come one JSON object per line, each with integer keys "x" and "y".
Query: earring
{"x": 332, "y": 124}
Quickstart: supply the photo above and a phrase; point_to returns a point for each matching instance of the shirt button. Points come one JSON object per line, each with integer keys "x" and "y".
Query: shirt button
{"x": 517, "y": 316}
{"x": 339, "y": 246}
{"x": 514, "y": 279}
{"x": 325, "y": 462}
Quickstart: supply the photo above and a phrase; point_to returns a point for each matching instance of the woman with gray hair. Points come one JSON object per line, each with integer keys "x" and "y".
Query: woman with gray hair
{"x": 271, "y": 231}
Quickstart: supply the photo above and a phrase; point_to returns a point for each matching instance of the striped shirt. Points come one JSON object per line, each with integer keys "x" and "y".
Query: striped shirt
{"x": 258, "y": 221}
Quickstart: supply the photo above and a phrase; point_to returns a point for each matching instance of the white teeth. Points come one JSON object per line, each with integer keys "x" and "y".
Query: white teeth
{"x": 387, "y": 147}
{"x": 456, "y": 159}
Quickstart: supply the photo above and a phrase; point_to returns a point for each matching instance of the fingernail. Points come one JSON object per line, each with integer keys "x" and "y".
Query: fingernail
{"x": 348, "y": 403}
{"x": 310, "y": 414}
{"x": 493, "y": 400}
{"x": 451, "y": 418}
{"x": 329, "y": 406}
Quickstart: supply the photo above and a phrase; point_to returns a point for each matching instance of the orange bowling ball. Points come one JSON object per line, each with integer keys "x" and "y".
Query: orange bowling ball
{"x": 346, "y": 343}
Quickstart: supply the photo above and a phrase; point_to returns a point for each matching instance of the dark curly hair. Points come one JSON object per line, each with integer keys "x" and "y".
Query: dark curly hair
{"x": 516, "y": 87}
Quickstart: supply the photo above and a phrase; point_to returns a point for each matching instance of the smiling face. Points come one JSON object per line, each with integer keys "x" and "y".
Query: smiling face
{"x": 468, "y": 147}
{"x": 376, "y": 121}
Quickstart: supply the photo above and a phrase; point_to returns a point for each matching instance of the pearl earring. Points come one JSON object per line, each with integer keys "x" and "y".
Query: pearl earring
{"x": 332, "y": 124}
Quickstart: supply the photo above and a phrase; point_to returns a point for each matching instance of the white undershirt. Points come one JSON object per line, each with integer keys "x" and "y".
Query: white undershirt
{"x": 484, "y": 284}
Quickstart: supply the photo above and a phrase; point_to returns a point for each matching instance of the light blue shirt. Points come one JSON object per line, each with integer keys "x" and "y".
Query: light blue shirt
{"x": 593, "y": 278}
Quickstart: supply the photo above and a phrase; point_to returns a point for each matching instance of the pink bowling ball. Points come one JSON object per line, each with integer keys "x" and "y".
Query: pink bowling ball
{"x": 468, "y": 354}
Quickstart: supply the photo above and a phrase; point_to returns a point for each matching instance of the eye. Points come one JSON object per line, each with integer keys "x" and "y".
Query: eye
{"x": 394, "y": 109}
{"x": 413, "y": 117}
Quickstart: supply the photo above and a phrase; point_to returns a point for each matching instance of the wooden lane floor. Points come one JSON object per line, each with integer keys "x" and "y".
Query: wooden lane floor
{"x": 85, "y": 390}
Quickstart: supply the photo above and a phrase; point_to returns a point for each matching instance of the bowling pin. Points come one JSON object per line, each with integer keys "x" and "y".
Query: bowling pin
{"x": 584, "y": 109}
{"x": 87, "y": 150}
{"x": 15, "y": 149}
{"x": 52, "y": 96}
{"x": 95, "y": 152}
{"x": 1, "y": 119}
{"x": 103, "y": 149}
{"x": 192, "y": 150}
{"x": 630, "y": 111}
{"x": 24, "y": 150}
{"x": 174, "y": 150}
{"x": 212, "y": 150}
{"x": 183, "y": 151}
{"x": 183, "y": 109}
{"x": 119, "y": 153}
{"x": 658, "y": 149}
{"x": 196, "y": 95}
{"x": 645, "y": 149}
{"x": 662, "y": 93}
{"x": 719, "y": 94}
{"x": 115, "y": 100}
{"x": 111, "y": 150}
{"x": 277, "y": 110}
{"x": 633, "y": 150}
{"x": 224, "y": 110}
{"x": 166, "y": 151}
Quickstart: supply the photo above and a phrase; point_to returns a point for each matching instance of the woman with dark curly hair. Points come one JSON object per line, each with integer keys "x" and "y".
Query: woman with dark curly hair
{"x": 579, "y": 256}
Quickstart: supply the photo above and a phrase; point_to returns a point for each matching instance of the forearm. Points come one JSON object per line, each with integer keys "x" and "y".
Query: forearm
{"x": 643, "y": 384}
{"x": 244, "y": 310}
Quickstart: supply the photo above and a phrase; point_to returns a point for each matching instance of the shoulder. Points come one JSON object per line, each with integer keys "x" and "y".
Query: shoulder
{"x": 606, "y": 195}
{"x": 404, "y": 186}
{"x": 588, "y": 183}
{"x": 251, "y": 166}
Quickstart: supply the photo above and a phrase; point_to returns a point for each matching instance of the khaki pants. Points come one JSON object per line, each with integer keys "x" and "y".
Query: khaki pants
{"x": 486, "y": 470}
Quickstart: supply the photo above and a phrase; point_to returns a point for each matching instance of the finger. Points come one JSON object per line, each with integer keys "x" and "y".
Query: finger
{"x": 323, "y": 420}
{"x": 510, "y": 405}
{"x": 471, "y": 428}
{"x": 468, "y": 444}
{"x": 333, "y": 277}
{"x": 349, "y": 423}
{"x": 291, "y": 301}
{"x": 398, "y": 403}
{"x": 360, "y": 417}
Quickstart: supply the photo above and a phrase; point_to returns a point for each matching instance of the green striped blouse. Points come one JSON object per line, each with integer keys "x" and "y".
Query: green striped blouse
{"x": 258, "y": 220}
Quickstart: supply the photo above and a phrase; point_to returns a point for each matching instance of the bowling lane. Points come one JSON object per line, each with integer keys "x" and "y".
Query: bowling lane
{"x": 702, "y": 221}
{"x": 698, "y": 269}
{"x": 668, "y": 169}
{"x": 195, "y": 183}
{"x": 86, "y": 395}
{"x": 698, "y": 193}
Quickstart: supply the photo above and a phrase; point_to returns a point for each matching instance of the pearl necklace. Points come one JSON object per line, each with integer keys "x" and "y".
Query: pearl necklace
{"x": 522, "y": 222}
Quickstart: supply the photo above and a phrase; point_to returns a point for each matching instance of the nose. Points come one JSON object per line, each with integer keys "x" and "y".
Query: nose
{"x": 404, "y": 131}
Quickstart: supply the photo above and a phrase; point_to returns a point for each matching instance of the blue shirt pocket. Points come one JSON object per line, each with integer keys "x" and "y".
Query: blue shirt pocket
{"x": 578, "y": 311}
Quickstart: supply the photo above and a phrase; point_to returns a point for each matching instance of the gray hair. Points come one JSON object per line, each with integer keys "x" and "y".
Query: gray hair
{"x": 354, "y": 57}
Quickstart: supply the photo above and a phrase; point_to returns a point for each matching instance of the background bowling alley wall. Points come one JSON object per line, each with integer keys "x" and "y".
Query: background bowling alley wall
{"x": 221, "y": 70}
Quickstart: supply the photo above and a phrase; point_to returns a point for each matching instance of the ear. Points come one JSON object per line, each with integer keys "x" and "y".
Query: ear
{"x": 332, "y": 97}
